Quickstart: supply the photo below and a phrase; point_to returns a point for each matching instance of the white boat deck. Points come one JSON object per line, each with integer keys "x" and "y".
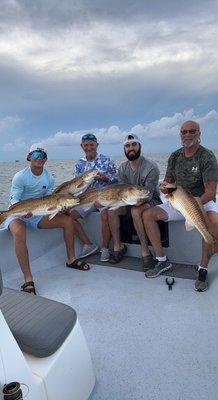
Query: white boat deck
{"x": 146, "y": 342}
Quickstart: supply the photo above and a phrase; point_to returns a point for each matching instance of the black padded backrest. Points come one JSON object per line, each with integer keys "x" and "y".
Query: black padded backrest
{"x": 1, "y": 283}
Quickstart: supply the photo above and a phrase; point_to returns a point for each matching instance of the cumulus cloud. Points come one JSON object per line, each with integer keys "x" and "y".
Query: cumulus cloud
{"x": 167, "y": 126}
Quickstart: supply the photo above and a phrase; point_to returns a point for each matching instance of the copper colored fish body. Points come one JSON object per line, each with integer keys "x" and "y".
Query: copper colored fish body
{"x": 192, "y": 210}
{"x": 115, "y": 195}
{"x": 48, "y": 205}
{"x": 77, "y": 185}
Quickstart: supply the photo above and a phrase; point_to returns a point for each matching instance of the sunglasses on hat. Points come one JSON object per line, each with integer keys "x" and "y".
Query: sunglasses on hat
{"x": 38, "y": 154}
{"x": 89, "y": 136}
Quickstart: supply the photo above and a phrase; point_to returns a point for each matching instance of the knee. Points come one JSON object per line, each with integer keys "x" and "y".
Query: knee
{"x": 111, "y": 214}
{"x": 104, "y": 216}
{"x": 18, "y": 232}
{"x": 67, "y": 222}
{"x": 135, "y": 212}
{"x": 148, "y": 215}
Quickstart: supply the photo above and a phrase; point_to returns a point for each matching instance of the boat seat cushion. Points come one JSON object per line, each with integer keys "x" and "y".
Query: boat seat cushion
{"x": 39, "y": 325}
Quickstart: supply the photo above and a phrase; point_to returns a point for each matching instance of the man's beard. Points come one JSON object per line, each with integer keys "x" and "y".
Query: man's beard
{"x": 190, "y": 143}
{"x": 133, "y": 154}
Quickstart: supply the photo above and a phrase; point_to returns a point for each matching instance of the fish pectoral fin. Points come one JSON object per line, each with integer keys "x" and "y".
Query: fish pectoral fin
{"x": 130, "y": 202}
{"x": 53, "y": 215}
{"x": 189, "y": 225}
{"x": 114, "y": 207}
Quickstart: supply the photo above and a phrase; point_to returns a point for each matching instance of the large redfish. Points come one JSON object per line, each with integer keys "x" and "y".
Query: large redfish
{"x": 115, "y": 196}
{"x": 192, "y": 210}
{"x": 78, "y": 185}
{"x": 48, "y": 205}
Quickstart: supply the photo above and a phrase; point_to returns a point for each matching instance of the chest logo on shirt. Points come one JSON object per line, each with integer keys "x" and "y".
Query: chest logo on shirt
{"x": 194, "y": 169}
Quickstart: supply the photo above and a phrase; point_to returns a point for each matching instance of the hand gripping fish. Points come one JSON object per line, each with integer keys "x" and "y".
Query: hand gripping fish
{"x": 192, "y": 209}
{"x": 115, "y": 196}
{"x": 77, "y": 185}
{"x": 48, "y": 205}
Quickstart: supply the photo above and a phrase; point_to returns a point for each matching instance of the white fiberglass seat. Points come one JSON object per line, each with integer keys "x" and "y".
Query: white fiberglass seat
{"x": 42, "y": 345}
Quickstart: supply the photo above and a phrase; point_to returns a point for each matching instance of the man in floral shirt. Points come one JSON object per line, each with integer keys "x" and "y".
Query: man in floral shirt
{"x": 107, "y": 175}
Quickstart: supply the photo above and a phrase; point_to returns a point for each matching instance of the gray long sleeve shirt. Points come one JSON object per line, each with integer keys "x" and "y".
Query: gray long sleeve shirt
{"x": 146, "y": 174}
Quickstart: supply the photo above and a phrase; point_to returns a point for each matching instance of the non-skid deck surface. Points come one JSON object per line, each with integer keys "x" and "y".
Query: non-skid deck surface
{"x": 135, "y": 264}
{"x": 146, "y": 342}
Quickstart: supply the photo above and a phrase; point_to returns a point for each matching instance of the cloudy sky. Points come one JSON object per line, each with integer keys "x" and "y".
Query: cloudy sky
{"x": 108, "y": 67}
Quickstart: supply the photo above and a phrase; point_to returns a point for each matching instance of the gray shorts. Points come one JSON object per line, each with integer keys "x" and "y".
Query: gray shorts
{"x": 174, "y": 215}
{"x": 31, "y": 222}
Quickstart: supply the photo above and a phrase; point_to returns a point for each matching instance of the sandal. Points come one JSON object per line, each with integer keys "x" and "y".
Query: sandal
{"x": 77, "y": 264}
{"x": 28, "y": 287}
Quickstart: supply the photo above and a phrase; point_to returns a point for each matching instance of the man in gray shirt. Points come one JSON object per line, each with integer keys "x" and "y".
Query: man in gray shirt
{"x": 137, "y": 170}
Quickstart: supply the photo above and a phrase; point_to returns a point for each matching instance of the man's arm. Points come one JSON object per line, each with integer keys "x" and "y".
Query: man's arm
{"x": 151, "y": 181}
{"x": 50, "y": 185}
{"x": 210, "y": 191}
{"x": 210, "y": 177}
{"x": 17, "y": 189}
{"x": 121, "y": 175}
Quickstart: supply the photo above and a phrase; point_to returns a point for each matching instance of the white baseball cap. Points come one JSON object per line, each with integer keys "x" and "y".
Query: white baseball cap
{"x": 36, "y": 147}
{"x": 131, "y": 138}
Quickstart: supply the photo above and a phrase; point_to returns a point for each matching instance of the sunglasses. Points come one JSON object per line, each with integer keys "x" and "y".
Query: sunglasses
{"x": 89, "y": 136}
{"x": 39, "y": 154}
{"x": 192, "y": 131}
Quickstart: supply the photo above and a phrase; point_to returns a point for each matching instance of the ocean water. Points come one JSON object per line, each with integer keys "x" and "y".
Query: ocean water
{"x": 63, "y": 171}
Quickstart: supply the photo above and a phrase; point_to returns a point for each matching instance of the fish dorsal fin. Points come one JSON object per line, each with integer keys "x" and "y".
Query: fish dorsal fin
{"x": 189, "y": 225}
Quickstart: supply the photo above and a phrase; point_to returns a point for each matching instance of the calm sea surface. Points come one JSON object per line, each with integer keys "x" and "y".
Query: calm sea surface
{"x": 62, "y": 170}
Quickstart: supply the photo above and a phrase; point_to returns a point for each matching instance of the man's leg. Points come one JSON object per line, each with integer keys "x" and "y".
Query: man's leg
{"x": 114, "y": 223}
{"x": 79, "y": 231}
{"x": 65, "y": 222}
{"x": 105, "y": 229}
{"x": 201, "y": 283}
{"x": 150, "y": 218}
{"x": 88, "y": 246}
{"x": 18, "y": 231}
{"x": 137, "y": 213}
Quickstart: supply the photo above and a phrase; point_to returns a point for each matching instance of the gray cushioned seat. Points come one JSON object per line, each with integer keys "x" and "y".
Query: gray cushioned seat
{"x": 39, "y": 325}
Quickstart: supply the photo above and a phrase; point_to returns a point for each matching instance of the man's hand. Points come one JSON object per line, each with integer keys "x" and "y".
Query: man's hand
{"x": 140, "y": 202}
{"x": 101, "y": 177}
{"x": 28, "y": 215}
{"x": 97, "y": 204}
{"x": 163, "y": 187}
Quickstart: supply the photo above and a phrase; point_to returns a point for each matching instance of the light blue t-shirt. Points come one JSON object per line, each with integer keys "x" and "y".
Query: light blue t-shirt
{"x": 26, "y": 185}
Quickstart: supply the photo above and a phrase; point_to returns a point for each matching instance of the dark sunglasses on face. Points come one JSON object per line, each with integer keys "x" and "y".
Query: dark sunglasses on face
{"x": 89, "y": 136}
{"x": 192, "y": 131}
{"x": 39, "y": 154}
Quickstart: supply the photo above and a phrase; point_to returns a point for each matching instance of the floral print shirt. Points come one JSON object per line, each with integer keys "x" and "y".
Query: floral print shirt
{"x": 103, "y": 164}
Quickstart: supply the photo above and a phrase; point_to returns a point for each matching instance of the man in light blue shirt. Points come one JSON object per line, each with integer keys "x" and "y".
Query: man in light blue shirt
{"x": 107, "y": 175}
{"x": 35, "y": 182}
